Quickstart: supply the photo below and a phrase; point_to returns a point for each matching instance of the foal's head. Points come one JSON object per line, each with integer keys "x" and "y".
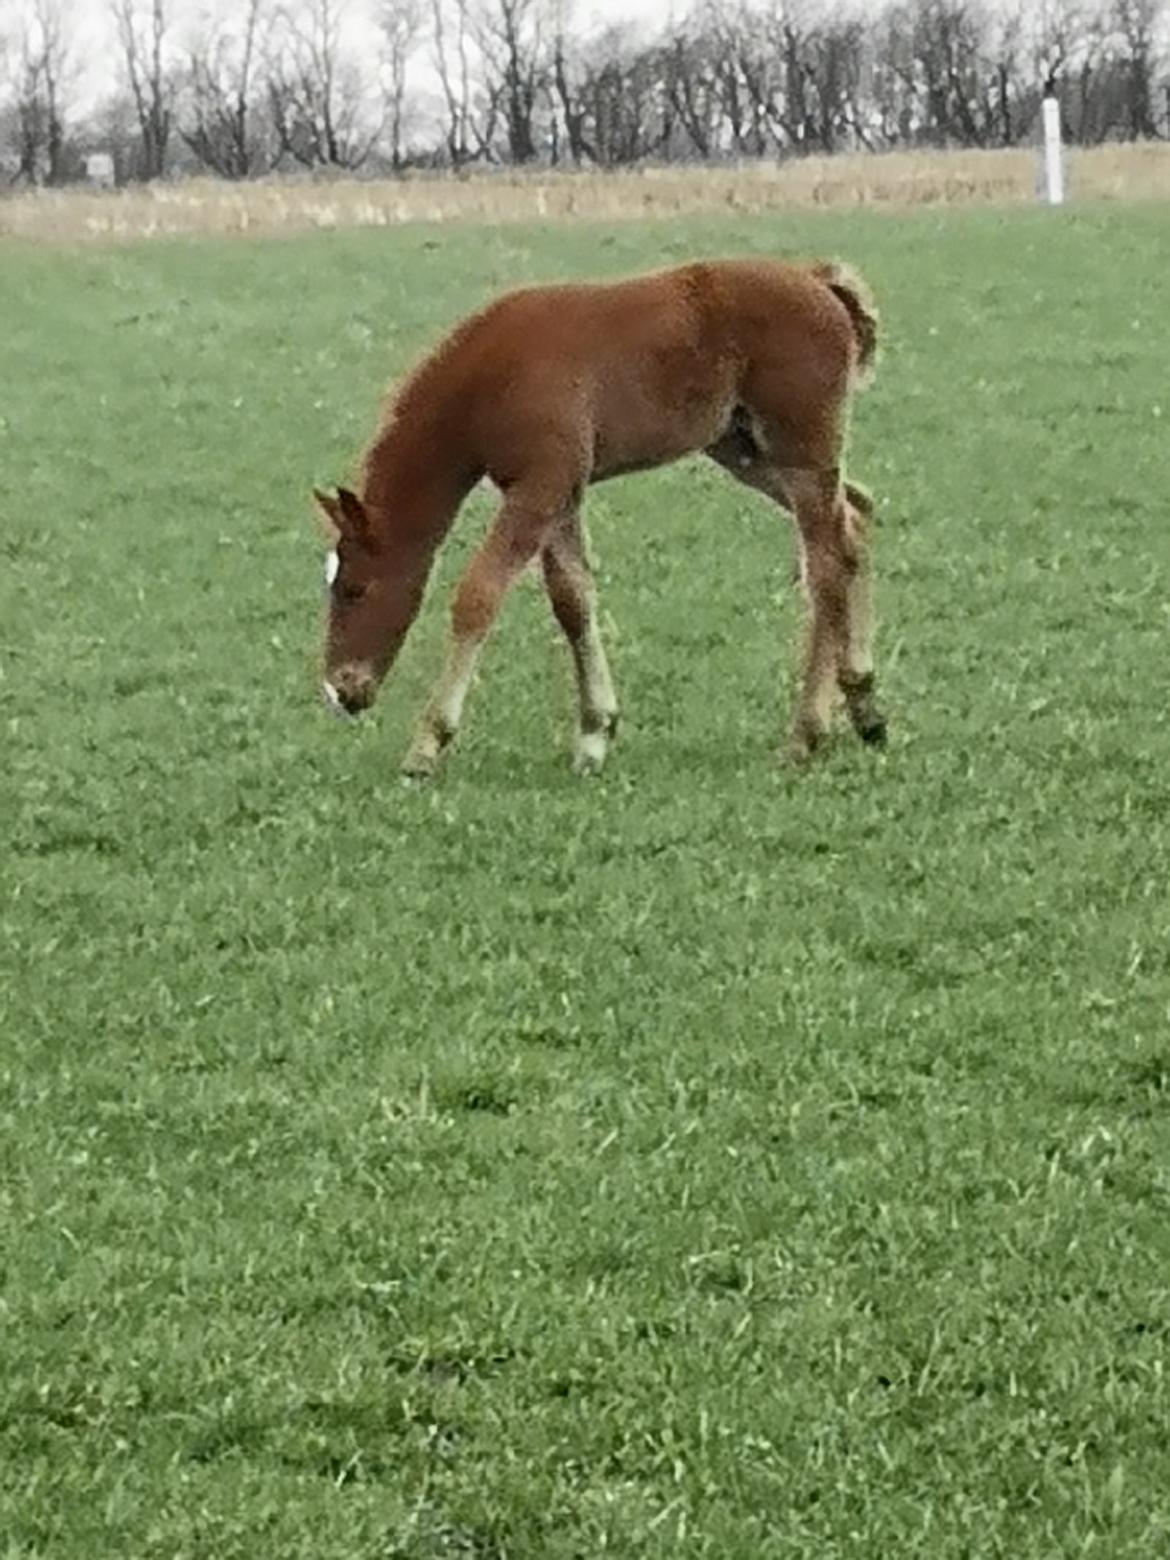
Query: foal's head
{"x": 363, "y": 628}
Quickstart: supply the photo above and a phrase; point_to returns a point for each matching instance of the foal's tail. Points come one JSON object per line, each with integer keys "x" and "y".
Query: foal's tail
{"x": 846, "y": 284}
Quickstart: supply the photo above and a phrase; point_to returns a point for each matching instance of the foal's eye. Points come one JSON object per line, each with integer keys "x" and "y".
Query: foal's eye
{"x": 342, "y": 590}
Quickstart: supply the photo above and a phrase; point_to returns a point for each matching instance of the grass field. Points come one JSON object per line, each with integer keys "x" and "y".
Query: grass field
{"x": 708, "y": 1160}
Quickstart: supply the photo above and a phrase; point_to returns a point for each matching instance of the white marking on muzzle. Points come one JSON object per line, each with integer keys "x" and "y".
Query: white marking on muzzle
{"x": 333, "y": 700}
{"x": 332, "y": 565}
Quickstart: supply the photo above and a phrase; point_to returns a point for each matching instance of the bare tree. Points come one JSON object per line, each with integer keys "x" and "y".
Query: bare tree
{"x": 451, "y": 45}
{"x": 693, "y": 86}
{"x": 832, "y": 64}
{"x": 52, "y": 23}
{"x": 113, "y": 127}
{"x": 319, "y": 95}
{"x": 508, "y": 33}
{"x": 1136, "y": 22}
{"x": 401, "y": 24}
{"x": 567, "y": 96}
{"x": 221, "y": 103}
{"x": 1055, "y": 42}
{"x": 947, "y": 39}
{"x": 277, "y": 80}
{"x": 42, "y": 74}
{"x": 748, "y": 78}
{"x": 24, "y": 117}
{"x": 143, "y": 37}
{"x": 1071, "y": 50}
{"x": 1011, "y": 94}
{"x": 626, "y": 93}
{"x": 746, "y": 74}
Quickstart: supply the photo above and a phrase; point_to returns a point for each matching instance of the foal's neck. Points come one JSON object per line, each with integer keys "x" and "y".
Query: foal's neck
{"x": 411, "y": 491}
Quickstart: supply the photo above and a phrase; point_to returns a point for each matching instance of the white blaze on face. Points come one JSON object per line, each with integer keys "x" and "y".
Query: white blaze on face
{"x": 332, "y": 565}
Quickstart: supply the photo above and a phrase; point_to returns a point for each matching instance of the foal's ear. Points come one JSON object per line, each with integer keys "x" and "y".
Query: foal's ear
{"x": 328, "y": 515}
{"x": 344, "y": 515}
{"x": 355, "y": 522}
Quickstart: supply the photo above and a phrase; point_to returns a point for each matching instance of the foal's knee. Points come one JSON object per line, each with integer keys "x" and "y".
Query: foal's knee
{"x": 568, "y": 594}
{"x": 828, "y": 566}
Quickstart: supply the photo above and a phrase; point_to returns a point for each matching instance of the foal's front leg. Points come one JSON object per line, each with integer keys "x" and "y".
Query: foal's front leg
{"x": 569, "y": 582}
{"x": 514, "y": 540}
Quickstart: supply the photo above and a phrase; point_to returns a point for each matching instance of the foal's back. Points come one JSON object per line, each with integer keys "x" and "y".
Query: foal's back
{"x": 636, "y": 373}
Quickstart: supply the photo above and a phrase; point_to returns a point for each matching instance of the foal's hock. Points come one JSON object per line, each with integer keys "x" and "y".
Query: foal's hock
{"x": 751, "y": 362}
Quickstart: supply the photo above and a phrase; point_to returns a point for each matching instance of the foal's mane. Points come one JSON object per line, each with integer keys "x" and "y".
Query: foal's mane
{"x": 403, "y": 447}
{"x": 410, "y": 391}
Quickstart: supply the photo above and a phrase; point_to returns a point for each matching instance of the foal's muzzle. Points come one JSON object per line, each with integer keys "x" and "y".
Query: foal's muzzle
{"x": 349, "y": 691}
{"x": 333, "y": 702}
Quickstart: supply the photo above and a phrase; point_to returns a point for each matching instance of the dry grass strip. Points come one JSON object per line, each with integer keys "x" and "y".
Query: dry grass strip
{"x": 894, "y": 179}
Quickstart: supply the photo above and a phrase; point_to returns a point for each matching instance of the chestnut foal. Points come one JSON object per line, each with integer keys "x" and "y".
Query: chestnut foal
{"x": 551, "y": 388}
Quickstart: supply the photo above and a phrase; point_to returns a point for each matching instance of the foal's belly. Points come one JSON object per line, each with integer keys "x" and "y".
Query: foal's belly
{"x": 654, "y": 436}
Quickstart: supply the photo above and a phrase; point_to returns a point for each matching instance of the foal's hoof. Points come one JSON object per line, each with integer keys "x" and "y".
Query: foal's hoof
{"x": 802, "y": 745}
{"x": 873, "y": 731}
{"x": 424, "y": 753}
{"x": 592, "y": 747}
{"x": 418, "y": 768}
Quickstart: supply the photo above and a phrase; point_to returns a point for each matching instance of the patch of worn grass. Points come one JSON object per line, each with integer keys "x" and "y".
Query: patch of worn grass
{"x": 705, "y": 1161}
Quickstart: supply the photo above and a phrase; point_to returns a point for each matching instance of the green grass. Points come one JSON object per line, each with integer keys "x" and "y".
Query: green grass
{"x": 704, "y": 1161}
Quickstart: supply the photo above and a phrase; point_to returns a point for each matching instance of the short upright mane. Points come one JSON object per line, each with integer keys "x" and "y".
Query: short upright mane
{"x": 412, "y": 479}
{"x": 418, "y": 383}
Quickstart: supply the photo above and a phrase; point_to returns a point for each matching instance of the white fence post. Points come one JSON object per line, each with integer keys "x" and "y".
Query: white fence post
{"x": 1053, "y": 153}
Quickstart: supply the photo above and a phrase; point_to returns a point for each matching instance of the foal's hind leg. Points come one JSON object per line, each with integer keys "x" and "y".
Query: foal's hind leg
{"x": 516, "y": 537}
{"x": 833, "y": 521}
{"x": 834, "y": 568}
{"x": 825, "y": 572}
{"x": 856, "y": 674}
{"x": 569, "y": 581}
{"x": 812, "y": 501}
